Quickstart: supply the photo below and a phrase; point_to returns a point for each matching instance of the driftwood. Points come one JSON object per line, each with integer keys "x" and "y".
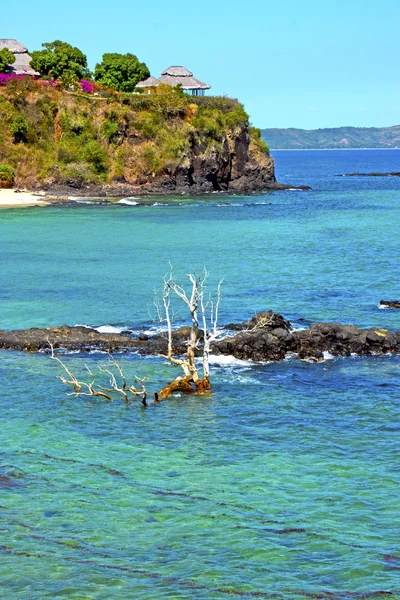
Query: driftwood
{"x": 82, "y": 388}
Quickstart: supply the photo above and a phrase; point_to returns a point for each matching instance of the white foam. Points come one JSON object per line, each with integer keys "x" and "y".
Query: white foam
{"x": 383, "y": 306}
{"x": 291, "y": 355}
{"x": 298, "y": 328}
{"x": 79, "y": 200}
{"x": 328, "y": 356}
{"x": 224, "y": 360}
{"x": 127, "y": 202}
{"x": 109, "y": 329}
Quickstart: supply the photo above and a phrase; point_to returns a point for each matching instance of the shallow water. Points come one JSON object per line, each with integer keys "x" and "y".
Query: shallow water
{"x": 284, "y": 483}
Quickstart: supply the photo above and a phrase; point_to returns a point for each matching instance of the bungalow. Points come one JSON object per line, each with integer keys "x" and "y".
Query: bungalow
{"x": 21, "y": 66}
{"x": 177, "y": 76}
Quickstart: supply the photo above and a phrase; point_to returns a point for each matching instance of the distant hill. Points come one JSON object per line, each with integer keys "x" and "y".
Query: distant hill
{"x": 338, "y": 137}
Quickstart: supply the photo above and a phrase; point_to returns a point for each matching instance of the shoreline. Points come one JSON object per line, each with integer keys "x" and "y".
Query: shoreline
{"x": 14, "y": 198}
{"x": 11, "y": 198}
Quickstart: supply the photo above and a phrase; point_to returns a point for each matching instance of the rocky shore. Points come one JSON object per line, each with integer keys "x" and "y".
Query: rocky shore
{"x": 266, "y": 337}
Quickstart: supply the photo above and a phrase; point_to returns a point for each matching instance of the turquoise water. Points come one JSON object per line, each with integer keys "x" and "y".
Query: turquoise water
{"x": 284, "y": 483}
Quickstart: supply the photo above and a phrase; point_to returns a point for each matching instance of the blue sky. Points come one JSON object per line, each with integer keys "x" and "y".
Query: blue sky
{"x": 302, "y": 64}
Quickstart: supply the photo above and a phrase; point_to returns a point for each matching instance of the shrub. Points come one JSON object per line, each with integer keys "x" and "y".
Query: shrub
{"x": 6, "y": 58}
{"x": 19, "y": 129}
{"x": 221, "y": 103}
{"x": 7, "y": 176}
{"x": 110, "y": 130}
{"x": 236, "y": 116}
{"x": 87, "y": 86}
{"x": 255, "y": 136}
{"x": 94, "y": 154}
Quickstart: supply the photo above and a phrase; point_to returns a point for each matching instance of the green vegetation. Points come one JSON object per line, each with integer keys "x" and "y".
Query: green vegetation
{"x": 120, "y": 71}
{"x": 7, "y": 176}
{"x": 339, "y": 137}
{"x": 6, "y": 58}
{"x": 61, "y": 61}
{"x": 62, "y": 136}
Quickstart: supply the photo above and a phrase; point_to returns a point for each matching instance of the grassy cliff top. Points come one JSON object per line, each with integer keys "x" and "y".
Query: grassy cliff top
{"x": 62, "y": 135}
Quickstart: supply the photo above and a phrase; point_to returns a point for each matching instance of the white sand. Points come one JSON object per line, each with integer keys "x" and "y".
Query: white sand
{"x": 12, "y": 198}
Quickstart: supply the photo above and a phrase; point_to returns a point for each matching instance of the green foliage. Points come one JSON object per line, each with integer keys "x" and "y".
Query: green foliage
{"x": 131, "y": 137}
{"x": 19, "y": 129}
{"x": 61, "y": 61}
{"x": 110, "y": 130}
{"x": 94, "y": 154}
{"x": 6, "y": 58}
{"x": 7, "y": 175}
{"x": 120, "y": 71}
{"x": 209, "y": 122}
{"x": 221, "y": 103}
{"x": 255, "y": 135}
{"x": 236, "y": 116}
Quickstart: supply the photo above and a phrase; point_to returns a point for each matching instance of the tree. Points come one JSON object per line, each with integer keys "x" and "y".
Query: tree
{"x": 120, "y": 71}
{"x": 203, "y": 310}
{"x": 60, "y": 61}
{"x": 7, "y": 58}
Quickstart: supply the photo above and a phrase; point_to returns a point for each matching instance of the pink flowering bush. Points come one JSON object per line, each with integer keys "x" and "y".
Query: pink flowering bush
{"x": 87, "y": 86}
{"x": 6, "y": 77}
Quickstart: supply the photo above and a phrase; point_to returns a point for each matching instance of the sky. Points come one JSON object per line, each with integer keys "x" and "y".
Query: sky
{"x": 306, "y": 64}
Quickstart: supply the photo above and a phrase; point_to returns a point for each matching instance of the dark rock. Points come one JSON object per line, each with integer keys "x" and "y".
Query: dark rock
{"x": 267, "y": 336}
{"x": 387, "y": 174}
{"x": 390, "y": 303}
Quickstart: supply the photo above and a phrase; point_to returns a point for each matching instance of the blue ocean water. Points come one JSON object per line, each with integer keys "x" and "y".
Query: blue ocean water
{"x": 284, "y": 483}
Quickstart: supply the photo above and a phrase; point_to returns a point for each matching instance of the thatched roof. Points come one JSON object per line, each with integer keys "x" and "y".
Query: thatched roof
{"x": 177, "y": 72}
{"x": 22, "y": 58}
{"x": 175, "y": 76}
{"x": 149, "y": 82}
{"x": 181, "y": 75}
{"x": 13, "y": 45}
{"x": 187, "y": 83}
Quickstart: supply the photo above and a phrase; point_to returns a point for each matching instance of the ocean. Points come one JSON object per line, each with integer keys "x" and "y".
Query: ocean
{"x": 282, "y": 484}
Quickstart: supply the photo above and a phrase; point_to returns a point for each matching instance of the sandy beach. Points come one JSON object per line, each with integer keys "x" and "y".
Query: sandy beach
{"x": 11, "y": 198}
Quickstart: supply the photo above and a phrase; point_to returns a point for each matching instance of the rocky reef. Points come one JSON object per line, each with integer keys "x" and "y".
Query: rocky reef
{"x": 266, "y": 337}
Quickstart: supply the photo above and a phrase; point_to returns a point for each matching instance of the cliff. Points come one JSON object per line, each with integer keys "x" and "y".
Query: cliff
{"x": 117, "y": 144}
{"x": 338, "y": 137}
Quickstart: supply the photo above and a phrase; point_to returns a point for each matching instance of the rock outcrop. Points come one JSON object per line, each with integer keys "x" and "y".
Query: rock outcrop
{"x": 389, "y": 303}
{"x": 265, "y": 337}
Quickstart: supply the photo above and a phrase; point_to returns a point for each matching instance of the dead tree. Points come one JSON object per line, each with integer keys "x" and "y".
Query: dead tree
{"x": 199, "y": 308}
{"x": 82, "y": 388}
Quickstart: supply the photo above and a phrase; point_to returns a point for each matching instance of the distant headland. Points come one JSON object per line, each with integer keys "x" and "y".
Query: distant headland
{"x": 332, "y": 138}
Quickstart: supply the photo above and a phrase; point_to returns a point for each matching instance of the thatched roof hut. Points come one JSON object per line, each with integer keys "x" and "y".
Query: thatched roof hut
{"x": 21, "y": 65}
{"x": 180, "y": 75}
{"x": 175, "y": 76}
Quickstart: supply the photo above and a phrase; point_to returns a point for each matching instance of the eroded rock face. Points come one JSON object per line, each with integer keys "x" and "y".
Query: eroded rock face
{"x": 231, "y": 165}
{"x": 266, "y": 337}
